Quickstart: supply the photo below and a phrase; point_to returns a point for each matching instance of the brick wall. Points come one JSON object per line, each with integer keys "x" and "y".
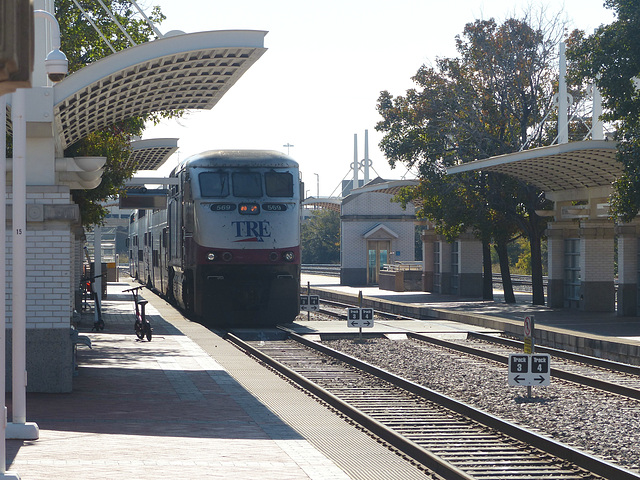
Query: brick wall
{"x": 50, "y": 272}
{"x": 596, "y": 251}
{"x": 470, "y": 251}
{"x": 360, "y": 213}
{"x": 49, "y": 265}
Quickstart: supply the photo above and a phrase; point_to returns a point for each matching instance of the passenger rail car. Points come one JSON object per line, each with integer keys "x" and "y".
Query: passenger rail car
{"x": 227, "y": 248}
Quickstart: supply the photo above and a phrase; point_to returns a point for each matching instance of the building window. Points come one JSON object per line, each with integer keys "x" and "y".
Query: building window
{"x": 436, "y": 267}
{"x": 455, "y": 267}
{"x": 572, "y": 278}
{"x": 638, "y": 280}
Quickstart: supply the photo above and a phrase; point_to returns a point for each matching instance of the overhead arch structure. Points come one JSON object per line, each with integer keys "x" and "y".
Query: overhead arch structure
{"x": 391, "y": 187}
{"x": 186, "y": 71}
{"x": 569, "y": 171}
{"x": 324, "y": 203}
{"x": 151, "y": 154}
{"x": 378, "y": 185}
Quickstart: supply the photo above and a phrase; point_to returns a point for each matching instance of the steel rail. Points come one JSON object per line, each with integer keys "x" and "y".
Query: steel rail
{"x": 603, "y": 385}
{"x": 554, "y": 372}
{"x": 581, "y": 459}
{"x": 577, "y": 357}
{"x": 411, "y": 449}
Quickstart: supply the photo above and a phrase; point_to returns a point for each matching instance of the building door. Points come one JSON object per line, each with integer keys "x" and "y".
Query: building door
{"x": 378, "y": 255}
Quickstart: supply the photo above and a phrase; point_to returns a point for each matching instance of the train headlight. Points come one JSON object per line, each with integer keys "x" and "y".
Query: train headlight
{"x": 273, "y": 256}
{"x": 211, "y": 256}
{"x": 289, "y": 256}
{"x": 227, "y": 256}
{"x": 249, "y": 209}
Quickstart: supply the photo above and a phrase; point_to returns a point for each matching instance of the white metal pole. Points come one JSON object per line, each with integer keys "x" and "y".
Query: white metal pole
{"x": 146, "y": 19}
{"x": 597, "y": 127}
{"x": 3, "y": 288}
{"x": 366, "y": 157}
{"x": 18, "y": 303}
{"x": 19, "y": 429}
{"x": 563, "y": 121}
{"x": 3, "y": 273}
{"x": 356, "y": 162}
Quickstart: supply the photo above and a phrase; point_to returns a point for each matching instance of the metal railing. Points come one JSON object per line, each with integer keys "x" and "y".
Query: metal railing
{"x": 402, "y": 266}
{"x": 333, "y": 270}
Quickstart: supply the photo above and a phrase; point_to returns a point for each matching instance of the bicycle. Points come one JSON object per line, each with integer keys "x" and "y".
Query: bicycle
{"x": 142, "y": 325}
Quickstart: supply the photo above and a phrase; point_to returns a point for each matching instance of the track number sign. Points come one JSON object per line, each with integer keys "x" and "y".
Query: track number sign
{"x": 309, "y": 303}
{"x": 526, "y": 370}
{"x": 360, "y": 317}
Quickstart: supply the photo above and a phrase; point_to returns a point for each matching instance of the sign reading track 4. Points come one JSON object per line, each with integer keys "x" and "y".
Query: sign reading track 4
{"x": 529, "y": 369}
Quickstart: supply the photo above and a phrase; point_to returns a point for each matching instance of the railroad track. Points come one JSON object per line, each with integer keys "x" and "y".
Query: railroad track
{"x": 449, "y": 438}
{"x": 605, "y": 375}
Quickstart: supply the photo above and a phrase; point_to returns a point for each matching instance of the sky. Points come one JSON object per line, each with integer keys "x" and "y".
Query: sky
{"x": 326, "y": 63}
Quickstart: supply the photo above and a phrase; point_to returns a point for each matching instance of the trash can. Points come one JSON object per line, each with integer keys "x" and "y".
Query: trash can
{"x": 112, "y": 272}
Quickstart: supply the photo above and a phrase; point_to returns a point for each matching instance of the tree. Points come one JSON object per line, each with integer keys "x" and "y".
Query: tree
{"x": 611, "y": 58}
{"x": 111, "y": 142}
{"x": 81, "y": 42}
{"x": 455, "y": 206}
{"x": 489, "y": 101}
{"x": 320, "y": 237}
{"x": 83, "y": 45}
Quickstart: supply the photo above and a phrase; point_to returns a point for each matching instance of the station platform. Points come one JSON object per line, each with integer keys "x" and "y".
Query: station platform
{"x": 186, "y": 405}
{"x": 600, "y": 334}
{"x": 190, "y": 405}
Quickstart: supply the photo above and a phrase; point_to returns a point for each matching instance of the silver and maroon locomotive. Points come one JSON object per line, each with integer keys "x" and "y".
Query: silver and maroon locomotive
{"x": 227, "y": 247}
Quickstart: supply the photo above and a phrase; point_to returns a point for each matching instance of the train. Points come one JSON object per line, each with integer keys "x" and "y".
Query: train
{"x": 226, "y": 249}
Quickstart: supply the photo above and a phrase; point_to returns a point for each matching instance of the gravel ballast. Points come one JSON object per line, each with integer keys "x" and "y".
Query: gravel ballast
{"x": 602, "y": 424}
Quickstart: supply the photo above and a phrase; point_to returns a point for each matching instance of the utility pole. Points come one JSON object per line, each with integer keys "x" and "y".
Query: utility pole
{"x": 288, "y": 145}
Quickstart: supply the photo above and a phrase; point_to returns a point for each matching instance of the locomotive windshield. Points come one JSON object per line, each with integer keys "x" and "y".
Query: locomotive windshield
{"x": 247, "y": 184}
{"x": 214, "y": 184}
{"x": 279, "y": 184}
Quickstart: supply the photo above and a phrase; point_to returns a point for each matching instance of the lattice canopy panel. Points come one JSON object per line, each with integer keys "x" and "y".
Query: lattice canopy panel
{"x": 570, "y": 166}
{"x": 191, "y": 71}
{"x": 151, "y": 154}
{"x": 583, "y": 169}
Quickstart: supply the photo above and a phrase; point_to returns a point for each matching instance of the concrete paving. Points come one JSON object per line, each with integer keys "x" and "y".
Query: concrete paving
{"x": 186, "y": 405}
{"x": 189, "y": 405}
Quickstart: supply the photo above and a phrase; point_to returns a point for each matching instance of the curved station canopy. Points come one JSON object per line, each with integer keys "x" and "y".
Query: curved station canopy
{"x": 568, "y": 170}
{"x": 391, "y": 187}
{"x": 151, "y": 154}
{"x": 323, "y": 203}
{"x": 378, "y": 185}
{"x": 187, "y": 71}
